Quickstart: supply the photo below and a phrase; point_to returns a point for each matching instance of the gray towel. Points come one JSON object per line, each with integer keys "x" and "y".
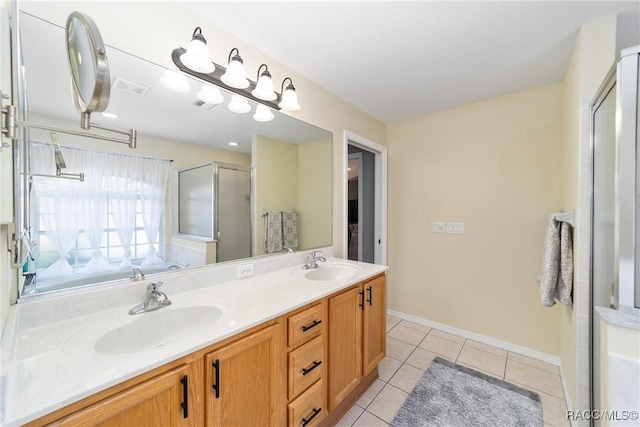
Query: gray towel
{"x": 556, "y": 277}
{"x": 273, "y": 232}
{"x": 290, "y": 229}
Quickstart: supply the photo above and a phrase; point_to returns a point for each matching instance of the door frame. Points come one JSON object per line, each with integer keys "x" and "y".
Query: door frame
{"x": 380, "y": 221}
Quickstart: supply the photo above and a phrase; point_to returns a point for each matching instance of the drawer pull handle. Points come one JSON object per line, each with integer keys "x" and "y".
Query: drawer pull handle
{"x": 313, "y": 366}
{"x": 185, "y": 393}
{"x": 306, "y": 421}
{"x": 216, "y": 385}
{"x": 313, "y": 324}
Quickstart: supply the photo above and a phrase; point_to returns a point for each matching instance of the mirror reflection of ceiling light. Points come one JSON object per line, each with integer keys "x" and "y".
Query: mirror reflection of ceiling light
{"x": 233, "y": 144}
{"x": 210, "y": 95}
{"x": 109, "y": 115}
{"x": 175, "y": 82}
{"x": 197, "y": 55}
{"x": 235, "y": 76}
{"x": 289, "y": 100}
{"x": 239, "y": 105}
{"x": 264, "y": 87}
{"x": 263, "y": 114}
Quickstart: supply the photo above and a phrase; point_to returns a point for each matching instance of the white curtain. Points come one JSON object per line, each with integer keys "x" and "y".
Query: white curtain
{"x": 95, "y": 210}
{"x": 123, "y": 197}
{"x": 152, "y": 195}
{"x": 113, "y": 183}
{"x": 60, "y": 203}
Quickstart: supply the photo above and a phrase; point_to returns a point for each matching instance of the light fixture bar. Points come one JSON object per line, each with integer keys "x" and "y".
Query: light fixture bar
{"x": 214, "y": 78}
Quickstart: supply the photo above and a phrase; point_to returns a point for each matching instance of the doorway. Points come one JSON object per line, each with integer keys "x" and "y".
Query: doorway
{"x": 365, "y": 204}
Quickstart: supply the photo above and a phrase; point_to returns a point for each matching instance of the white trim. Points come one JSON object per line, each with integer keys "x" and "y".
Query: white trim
{"x": 505, "y": 345}
{"x": 380, "y": 151}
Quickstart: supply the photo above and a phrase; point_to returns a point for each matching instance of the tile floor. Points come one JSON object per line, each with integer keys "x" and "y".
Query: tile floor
{"x": 411, "y": 348}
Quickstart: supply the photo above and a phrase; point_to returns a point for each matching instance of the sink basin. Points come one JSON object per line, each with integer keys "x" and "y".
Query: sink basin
{"x": 335, "y": 271}
{"x": 155, "y": 329}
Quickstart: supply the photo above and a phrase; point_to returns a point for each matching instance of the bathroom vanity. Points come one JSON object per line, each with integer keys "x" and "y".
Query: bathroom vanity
{"x": 279, "y": 348}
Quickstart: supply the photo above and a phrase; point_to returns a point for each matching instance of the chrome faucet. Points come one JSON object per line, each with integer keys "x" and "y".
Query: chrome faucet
{"x": 178, "y": 267}
{"x": 153, "y": 301}
{"x": 312, "y": 260}
{"x": 138, "y": 275}
{"x": 287, "y": 250}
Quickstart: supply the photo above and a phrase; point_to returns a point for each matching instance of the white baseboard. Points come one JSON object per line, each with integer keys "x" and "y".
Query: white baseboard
{"x": 526, "y": 351}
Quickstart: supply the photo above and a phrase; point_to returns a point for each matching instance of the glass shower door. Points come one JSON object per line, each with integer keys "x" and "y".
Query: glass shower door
{"x": 603, "y": 293}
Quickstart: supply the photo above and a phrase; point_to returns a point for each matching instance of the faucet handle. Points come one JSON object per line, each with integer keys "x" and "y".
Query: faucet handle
{"x": 153, "y": 287}
{"x": 313, "y": 254}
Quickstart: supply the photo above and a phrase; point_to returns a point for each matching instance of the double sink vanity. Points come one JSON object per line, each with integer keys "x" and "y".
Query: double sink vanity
{"x": 286, "y": 346}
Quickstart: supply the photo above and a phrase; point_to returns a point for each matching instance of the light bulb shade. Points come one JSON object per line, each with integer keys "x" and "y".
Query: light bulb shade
{"x": 264, "y": 88}
{"x": 210, "y": 95}
{"x": 197, "y": 57}
{"x": 263, "y": 114}
{"x": 235, "y": 76}
{"x": 289, "y": 99}
{"x": 239, "y": 105}
{"x": 175, "y": 82}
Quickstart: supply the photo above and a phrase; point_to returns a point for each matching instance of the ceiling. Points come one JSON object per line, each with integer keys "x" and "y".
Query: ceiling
{"x": 401, "y": 59}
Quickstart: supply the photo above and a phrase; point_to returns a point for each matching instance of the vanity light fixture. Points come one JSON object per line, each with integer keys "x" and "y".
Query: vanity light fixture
{"x": 235, "y": 76}
{"x": 289, "y": 100}
{"x": 263, "y": 114}
{"x": 210, "y": 95}
{"x": 175, "y": 82}
{"x": 264, "y": 87}
{"x": 197, "y": 55}
{"x": 239, "y": 105}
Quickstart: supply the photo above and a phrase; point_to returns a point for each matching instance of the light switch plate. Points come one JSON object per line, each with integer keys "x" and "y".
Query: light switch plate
{"x": 455, "y": 227}
{"x": 438, "y": 227}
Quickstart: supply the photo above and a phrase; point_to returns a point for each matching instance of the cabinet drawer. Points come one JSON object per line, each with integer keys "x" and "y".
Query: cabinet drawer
{"x": 308, "y": 409}
{"x": 306, "y": 366}
{"x": 305, "y": 325}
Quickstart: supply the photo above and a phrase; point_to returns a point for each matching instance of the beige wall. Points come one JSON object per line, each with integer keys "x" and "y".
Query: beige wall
{"x": 593, "y": 55}
{"x": 314, "y": 195}
{"x": 493, "y": 165}
{"x": 276, "y": 180}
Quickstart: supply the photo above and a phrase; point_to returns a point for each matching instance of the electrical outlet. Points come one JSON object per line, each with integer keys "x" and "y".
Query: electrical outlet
{"x": 245, "y": 270}
{"x": 455, "y": 227}
{"x": 438, "y": 227}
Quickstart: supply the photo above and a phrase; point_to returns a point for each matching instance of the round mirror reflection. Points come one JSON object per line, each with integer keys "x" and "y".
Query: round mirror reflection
{"x": 88, "y": 64}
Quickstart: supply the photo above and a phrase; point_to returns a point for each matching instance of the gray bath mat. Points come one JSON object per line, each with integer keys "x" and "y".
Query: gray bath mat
{"x": 450, "y": 395}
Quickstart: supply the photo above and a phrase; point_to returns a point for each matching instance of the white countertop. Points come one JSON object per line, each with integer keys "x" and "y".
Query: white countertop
{"x": 48, "y": 355}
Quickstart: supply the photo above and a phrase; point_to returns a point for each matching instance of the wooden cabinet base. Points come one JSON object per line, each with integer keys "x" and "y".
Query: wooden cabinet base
{"x": 338, "y": 412}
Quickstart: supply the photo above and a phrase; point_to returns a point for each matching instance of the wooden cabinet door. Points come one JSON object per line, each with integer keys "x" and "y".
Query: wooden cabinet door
{"x": 374, "y": 332}
{"x": 155, "y": 402}
{"x": 241, "y": 382}
{"x": 345, "y": 344}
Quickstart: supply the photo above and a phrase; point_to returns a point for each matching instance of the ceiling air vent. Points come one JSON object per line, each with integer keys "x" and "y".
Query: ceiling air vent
{"x": 129, "y": 87}
{"x": 202, "y": 104}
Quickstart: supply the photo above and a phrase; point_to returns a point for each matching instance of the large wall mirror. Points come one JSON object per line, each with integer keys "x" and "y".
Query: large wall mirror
{"x": 127, "y": 212}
